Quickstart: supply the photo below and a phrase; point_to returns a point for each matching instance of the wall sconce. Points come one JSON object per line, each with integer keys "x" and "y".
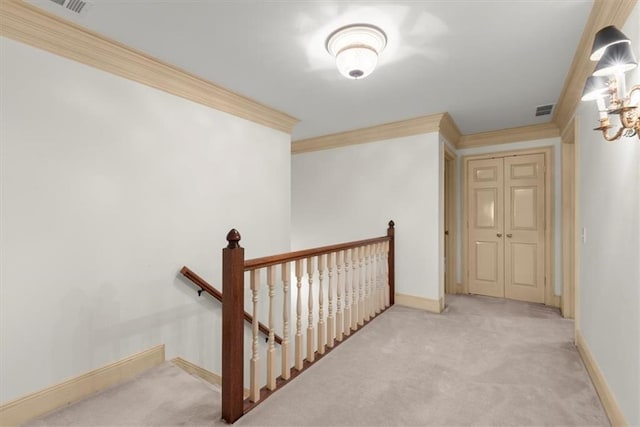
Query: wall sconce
{"x": 356, "y": 48}
{"x": 612, "y": 50}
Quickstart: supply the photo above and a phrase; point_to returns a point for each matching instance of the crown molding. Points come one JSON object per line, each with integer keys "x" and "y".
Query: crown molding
{"x": 449, "y": 130}
{"x": 415, "y": 126}
{"x": 442, "y": 123}
{"x": 28, "y": 24}
{"x": 603, "y": 13}
{"x": 568, "y": 134}
{"x": 505, "y": 136}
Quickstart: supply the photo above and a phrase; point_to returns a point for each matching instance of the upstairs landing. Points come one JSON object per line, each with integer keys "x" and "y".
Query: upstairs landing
{"x": 483, "y": 361}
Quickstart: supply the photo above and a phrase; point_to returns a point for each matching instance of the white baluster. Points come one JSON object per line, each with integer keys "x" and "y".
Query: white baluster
{"x": 286, "y": 307}
{"x": 367, "y": 283}
{"x": 271, "y": 352}
{"x": 354, "y": 289}
{"x": 374, "y": 284}
{"x": 361, "y": 295}
{"x": 380, "y": 279}
{"x": 381, "y": 259}
{"x": 298, "y": 355}
{"x": 254, "y": 388}
{"x": 331, "y": 326}
{"x": 374, "y": 279}
{"x": 339, "y": 320}
{"x": 310, "y": 329}
{"x": 347, "y": 288}
{"x": 322, "y": 327}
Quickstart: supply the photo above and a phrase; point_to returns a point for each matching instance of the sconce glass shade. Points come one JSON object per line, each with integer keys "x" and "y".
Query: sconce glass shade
{"x": 606, "y": 37}
{"x": 356, "y": 48}
{"x": 618, "y": 58}
{"x": 596, "y": 87}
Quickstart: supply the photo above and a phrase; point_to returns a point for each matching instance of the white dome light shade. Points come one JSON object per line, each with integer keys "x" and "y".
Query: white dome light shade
{"x": 356, "y": 62}
{"x": 356, "y": 48}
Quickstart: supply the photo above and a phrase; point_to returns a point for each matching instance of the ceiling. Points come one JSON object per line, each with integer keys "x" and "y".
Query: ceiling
{"x": 488, "y": 63}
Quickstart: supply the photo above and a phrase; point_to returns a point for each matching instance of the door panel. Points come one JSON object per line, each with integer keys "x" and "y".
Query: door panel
{"x": 524, "y": 227}
{"x": 524, "y": 263}
{"x": 485, "y": 200}
{"x": 487, "y": 261}
{"x": 524, "y": 202}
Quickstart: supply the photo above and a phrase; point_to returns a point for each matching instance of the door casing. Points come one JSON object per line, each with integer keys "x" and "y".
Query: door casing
{"x": 451, "y": 285}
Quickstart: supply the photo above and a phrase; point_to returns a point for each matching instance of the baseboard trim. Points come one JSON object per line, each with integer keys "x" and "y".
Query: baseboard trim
{"x": 200, "y": 372}
{"x": 26, "y": 408}
{"x": 196, "y": 370}
{"x": 616, "y": 417}
{"x": 432, "y": 305}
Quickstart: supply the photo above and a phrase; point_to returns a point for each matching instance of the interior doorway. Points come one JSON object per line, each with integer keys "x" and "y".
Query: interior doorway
{"x": 450, "y": 281}
{"x": 507, "y": 220}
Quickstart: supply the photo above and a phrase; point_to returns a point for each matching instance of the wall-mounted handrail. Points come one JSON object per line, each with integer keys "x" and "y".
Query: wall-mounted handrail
{"x": 206, "y": 287}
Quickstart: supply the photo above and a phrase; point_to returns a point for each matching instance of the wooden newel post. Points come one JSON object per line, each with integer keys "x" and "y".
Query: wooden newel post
{"x": 391, "y": 231}
{"x": 232, "y": 328}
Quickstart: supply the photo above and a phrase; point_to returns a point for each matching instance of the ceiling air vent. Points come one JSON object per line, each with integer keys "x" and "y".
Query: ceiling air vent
{"x": 544, "y": 110}
{"x": 79, "y": 7}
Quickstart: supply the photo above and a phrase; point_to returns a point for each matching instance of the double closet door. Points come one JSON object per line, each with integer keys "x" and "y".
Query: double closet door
{"x": 506, "y": 227}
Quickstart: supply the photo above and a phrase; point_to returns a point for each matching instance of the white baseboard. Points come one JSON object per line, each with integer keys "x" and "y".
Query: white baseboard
{"x": 26, "y": 408}
{"x": 616, "y": 417}
{"x": 432, "y": 305}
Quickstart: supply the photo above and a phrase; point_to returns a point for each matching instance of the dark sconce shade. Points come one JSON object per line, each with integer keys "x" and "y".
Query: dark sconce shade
{"x": 606, "y": 37}
{"x": 596, "y": 87}
{"x": 617, "y": 59}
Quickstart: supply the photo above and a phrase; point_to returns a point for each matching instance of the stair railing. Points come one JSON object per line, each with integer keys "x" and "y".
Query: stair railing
{"x": 360, "y": 286}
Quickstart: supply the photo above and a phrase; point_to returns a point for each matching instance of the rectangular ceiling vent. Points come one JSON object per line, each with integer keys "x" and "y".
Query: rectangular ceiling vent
{"x": 544, "y": 110}
{"x": 79, "y": 7}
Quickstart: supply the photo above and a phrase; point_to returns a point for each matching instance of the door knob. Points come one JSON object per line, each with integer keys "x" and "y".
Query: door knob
{"x": 499, "y": 234}
{"x": 509, "y": 235}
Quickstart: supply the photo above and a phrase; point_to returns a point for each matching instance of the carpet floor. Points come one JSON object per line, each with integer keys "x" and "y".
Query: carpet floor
{"x": 484, "y": 361}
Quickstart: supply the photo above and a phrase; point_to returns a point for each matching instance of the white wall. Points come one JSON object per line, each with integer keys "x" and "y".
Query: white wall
{"x": 609, "y": 283}
{"x": 108, "y": 188}
{"x": 557, "y": 199}
{"x": 352, "y": 192}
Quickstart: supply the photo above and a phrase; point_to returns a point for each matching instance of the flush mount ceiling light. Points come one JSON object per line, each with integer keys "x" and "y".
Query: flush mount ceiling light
{"x": 356, "y": 48}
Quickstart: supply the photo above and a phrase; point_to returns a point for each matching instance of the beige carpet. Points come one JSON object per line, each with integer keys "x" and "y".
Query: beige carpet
{"x": 484, "y": 361}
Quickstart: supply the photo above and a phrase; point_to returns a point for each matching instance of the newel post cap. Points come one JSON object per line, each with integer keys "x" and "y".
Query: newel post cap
{"x": 233, "y": 237}
{"x": 392, "y": 224}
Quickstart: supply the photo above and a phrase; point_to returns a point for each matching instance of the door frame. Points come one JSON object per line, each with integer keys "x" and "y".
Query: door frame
{"x": 569, "y": 296}
{"x": 549, "y": 292}
{"x": 450, "y": 169}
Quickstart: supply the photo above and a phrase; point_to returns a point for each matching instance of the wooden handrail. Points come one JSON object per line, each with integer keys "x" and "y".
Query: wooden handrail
{"x": 206, "y": 287}
{"x": 255, "y": 263}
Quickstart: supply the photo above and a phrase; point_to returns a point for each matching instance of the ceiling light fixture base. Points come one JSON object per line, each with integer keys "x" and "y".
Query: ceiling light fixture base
{"x": 356, "y": 48}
